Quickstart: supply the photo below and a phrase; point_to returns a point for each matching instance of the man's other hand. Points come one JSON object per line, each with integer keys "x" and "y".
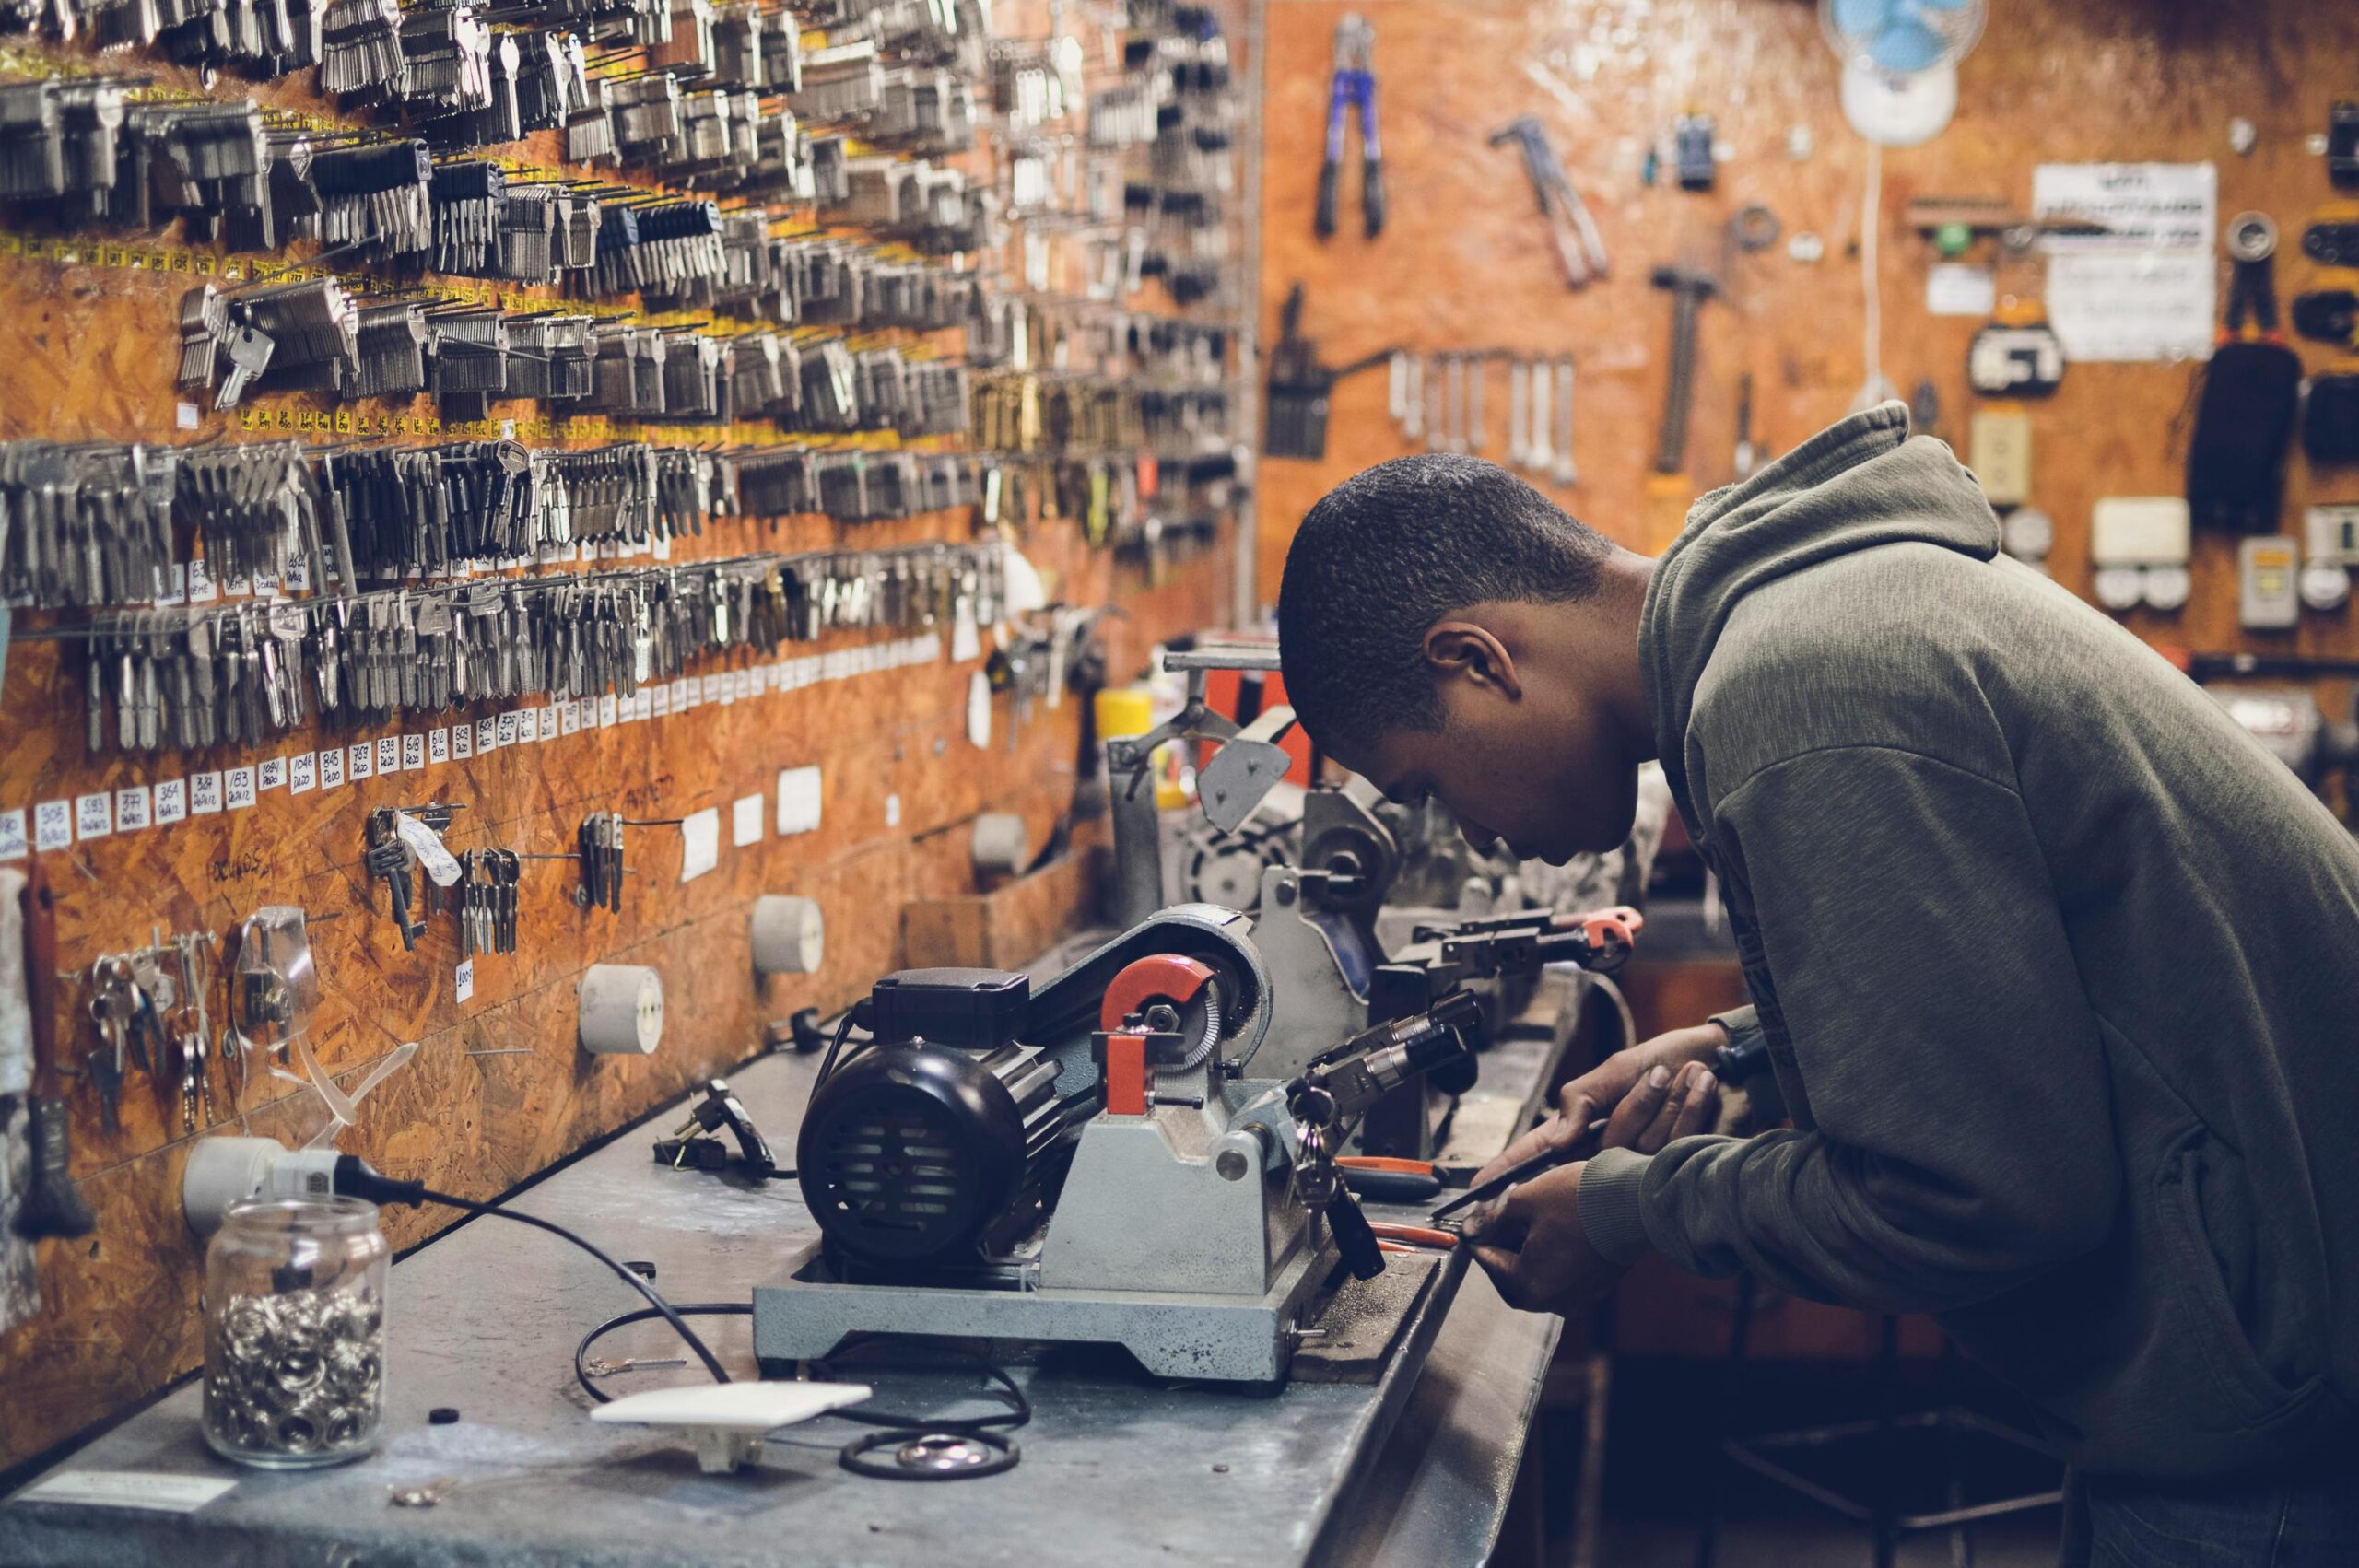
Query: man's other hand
{"x": 1656, "y": 1091}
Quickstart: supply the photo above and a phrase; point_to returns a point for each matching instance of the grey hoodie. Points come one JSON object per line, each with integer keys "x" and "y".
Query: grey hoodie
{"x": 2059, "y": 970}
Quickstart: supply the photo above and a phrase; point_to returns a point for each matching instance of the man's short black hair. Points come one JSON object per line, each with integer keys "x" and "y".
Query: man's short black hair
{"x": 1388, "y": 552}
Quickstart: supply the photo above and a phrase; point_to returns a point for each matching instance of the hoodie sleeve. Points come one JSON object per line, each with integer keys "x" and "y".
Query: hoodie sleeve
{"x": 1962, "y": 1136}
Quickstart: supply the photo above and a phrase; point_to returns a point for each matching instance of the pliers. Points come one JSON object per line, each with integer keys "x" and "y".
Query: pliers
{"x": 1352, "y": 86}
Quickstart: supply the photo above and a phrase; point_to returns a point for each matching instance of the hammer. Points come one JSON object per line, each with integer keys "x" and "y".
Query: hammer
{"x": 1689, "y": 289}
{"x": 53, "y": 1207}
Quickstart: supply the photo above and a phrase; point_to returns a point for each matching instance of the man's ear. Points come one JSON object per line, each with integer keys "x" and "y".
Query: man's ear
{"x": 1465, "y": 649}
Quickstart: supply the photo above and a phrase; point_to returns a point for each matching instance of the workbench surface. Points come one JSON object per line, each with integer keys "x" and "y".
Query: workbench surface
{"x": 1116, "y": 1468}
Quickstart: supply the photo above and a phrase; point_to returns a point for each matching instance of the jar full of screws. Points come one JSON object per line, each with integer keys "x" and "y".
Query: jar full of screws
{"x": 295, "y": 1332}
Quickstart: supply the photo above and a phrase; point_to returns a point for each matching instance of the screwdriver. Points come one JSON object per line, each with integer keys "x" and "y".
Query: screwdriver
{"x": 1580, "y": 1148}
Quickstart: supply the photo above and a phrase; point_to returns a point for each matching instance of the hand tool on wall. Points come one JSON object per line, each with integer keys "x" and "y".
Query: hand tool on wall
{"x": 1299, "y": 386}
{"x": 1668, "y": 492}
{"x": 2251, "y": 395}
{"x": 1748, "y": 457}
{"x": 53, "y": 1207}
{"x": 1580, "y": 247}
{"x": 1352, "y": 86}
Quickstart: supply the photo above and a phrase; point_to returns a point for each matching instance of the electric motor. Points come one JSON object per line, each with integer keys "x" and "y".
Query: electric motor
{"x": 938, "y": 1145}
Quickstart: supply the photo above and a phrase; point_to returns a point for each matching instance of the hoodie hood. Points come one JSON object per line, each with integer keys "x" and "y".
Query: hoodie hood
{"x": 1855, "y": 485}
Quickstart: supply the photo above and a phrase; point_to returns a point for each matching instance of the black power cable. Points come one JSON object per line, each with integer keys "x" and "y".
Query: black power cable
{"x": 657, "y": 1306}
{"x": 894, "y": 1429}
{"x": 354, "y": 1177}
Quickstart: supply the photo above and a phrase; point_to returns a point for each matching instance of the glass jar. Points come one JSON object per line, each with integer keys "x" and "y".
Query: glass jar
{"x": 295, "y": 1332}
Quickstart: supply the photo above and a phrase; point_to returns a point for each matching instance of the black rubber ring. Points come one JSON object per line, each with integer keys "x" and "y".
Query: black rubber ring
{"x": 860, "y": 1456}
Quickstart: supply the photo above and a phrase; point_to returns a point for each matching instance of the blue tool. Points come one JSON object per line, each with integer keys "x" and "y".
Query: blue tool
{"x": 1352, "y": 86}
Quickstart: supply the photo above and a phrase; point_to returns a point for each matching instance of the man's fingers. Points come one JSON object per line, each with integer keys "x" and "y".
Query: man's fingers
{"x": 1505, "y": 1268}
{"x": 1549, "y": 1136}
{"x": 1658, "y": 1131}
{"x": 1638, "y": 1109}
{"x": 1703, "y": 1105}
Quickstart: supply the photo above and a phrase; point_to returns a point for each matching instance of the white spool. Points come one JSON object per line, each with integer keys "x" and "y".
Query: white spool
{"x": 1002, "y": 844}
{"x": 622, "y": 1010}
{"x": 790, "y": 935}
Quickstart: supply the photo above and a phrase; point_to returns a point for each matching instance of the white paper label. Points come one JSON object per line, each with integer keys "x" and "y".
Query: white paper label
{"x": 132, "y": 808}
{"x": 700, "y": 843}
{"x": 427, "y": 844}
{"x": 438, "y": 746}
{"x": 892, "y": 810}
{"x": 662, "y": 699}
{"x": 413, "y": 751}
{"x": 272, "y": 775}
{"x": 13, "y": 843}
{"x": 1959, "y": 288}
{"x": 389, "y": 754}
{"x": 93, "y": 815}
{"x": 238, "y": 788}
{"x": 548, "y": 722}
{"x": 127, "y": 1488}
{"x": 204, "y": 794}
{"x": 798, "y": 799}
{"x": 171, "y": 802}
{"x": 503, "y": 731}
{"x": 607, "y": 710}
{"x": 332, "y": 768}
{"x": 966, "y": 642}
{"x": 745, "y": 821}
{"x": 2145, "y": 289}
{"x": 53, "y": 825}
{"x": 569, "y": 718}
{"x": 361, "y": 760}
{"x": 466, "y": 980}
{"x": 463, "y": 741}
{"x": 302, "y": 773}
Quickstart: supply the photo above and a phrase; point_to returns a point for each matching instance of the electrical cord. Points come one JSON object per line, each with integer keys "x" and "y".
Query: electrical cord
{"x": 894, "y": 1429}
{"x": 354, "y": 1177}
{"x": 656, "y": 1305}
{"x": 827, "y": 1063}
{"x": 645, "y": 1314}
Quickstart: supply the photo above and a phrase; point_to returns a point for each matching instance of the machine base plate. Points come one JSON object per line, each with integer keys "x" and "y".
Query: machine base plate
{"x": 805, "y": 1312}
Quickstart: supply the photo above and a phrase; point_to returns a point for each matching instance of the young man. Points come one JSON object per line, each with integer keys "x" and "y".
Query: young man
{"x": 2058, "y": 969}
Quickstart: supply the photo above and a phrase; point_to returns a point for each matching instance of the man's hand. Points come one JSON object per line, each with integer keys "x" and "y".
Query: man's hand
{"x": 1530, "y": 1241}
{"x": 1656, "y": 1091}
{"x": 1532, "y": 1247}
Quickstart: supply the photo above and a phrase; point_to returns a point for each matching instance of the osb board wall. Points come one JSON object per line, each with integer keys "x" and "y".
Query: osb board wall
{"x": 90, "y": 349}
{"x": 1465, "y": 261}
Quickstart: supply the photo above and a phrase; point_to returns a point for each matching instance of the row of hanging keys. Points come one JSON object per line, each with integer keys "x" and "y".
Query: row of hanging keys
{"x": 91, "y": 525}
{"x": 189, "y": 678}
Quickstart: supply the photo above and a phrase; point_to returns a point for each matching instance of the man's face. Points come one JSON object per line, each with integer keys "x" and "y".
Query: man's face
{"x": 1540, "y": 770}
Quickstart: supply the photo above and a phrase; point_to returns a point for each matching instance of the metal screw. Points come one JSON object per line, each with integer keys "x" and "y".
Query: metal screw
{"x": 1231, "y": 1166}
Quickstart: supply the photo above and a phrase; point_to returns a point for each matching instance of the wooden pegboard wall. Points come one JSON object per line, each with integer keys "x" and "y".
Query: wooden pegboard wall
{"x": 1464, "y": 259}
{"x": 88, "y": 332}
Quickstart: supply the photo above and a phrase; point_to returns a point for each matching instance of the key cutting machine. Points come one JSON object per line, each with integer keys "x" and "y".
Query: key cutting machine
{"x": 1095, "y": 1161}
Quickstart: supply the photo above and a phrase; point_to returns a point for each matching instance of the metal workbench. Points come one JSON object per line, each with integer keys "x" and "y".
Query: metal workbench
{"x": 1413, "y": 1470}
